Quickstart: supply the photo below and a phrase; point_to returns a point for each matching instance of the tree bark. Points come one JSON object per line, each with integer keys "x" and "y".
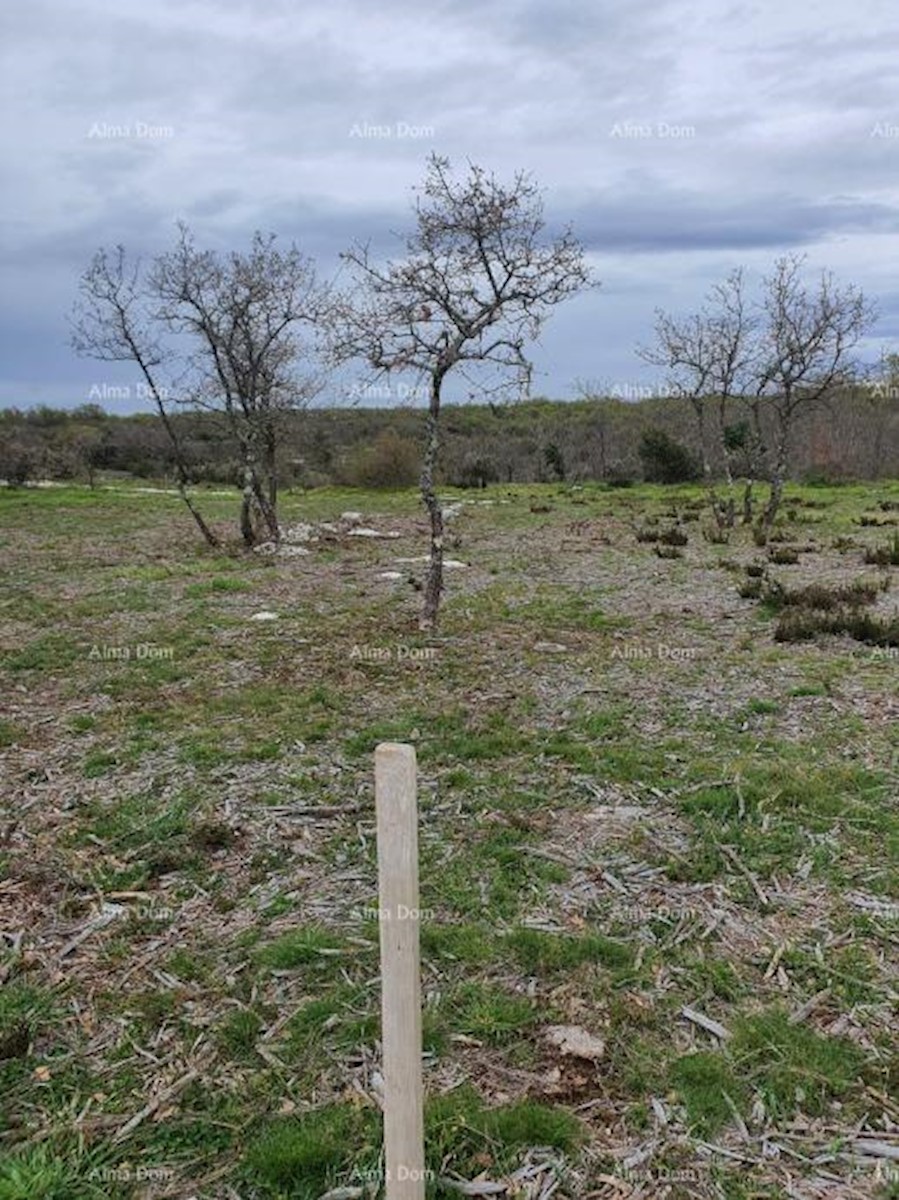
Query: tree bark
{"x": 247, "y": 531}
{"x": 255, "y": 494}
{"x": 271, "y": 465}
{"x": 434, "y": 581}
{"x": 180, "y": 465}
{"x": 778, "y": 478}
{"x": 747, "y": 502}
{"x": 773, "y": 506}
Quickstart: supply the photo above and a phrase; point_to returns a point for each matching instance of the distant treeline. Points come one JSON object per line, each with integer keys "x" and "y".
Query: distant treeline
{"x": 855, "y": 436}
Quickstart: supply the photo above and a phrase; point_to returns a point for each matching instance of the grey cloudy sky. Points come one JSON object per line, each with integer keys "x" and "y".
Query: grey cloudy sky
{"x": 680, "y": 137}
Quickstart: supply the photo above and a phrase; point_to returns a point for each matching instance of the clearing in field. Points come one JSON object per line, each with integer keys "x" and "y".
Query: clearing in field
{"x": 658, "y": 780}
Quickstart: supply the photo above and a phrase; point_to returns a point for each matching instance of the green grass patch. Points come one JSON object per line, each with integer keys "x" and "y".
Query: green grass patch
{"x": 298, "y": 948}
{"x": 303, "y": 1156}
{"x": 704, "y": 1081}
{"x": 793, "y": 1067}
{"x": 539, "y": 953}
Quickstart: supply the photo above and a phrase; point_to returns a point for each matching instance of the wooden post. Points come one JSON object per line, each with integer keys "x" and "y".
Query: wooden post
{"x": 397, "y": 819}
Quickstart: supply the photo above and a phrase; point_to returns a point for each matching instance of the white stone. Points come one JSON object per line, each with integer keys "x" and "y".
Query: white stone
{"x": 576, "y": 1042}
{"x": 451, "y": 564}
{"x": 264, "y": 616}
{"x": 304, "y": 532}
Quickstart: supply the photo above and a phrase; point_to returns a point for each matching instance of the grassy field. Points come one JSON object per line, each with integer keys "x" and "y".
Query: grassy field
{"x": 635, "y": 799}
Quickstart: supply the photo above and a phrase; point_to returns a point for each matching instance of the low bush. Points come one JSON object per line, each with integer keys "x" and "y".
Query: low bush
{"x": 666, "y": 460}
{"x": 884, "y": 556}
{"x": 819, "y": 596}
{"x": 673, "y": 537}
{"x": 784, "y": 556}
{"x": 803, "y": 624}
{"x": 647, "y": 535}
{"x": 391, "y": 461}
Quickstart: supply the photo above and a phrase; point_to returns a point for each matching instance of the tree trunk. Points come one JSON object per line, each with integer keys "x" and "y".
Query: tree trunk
{"x": 247, "y": 531}
{"x": 434, "y": 582}
{"x": 778, "y": 477}
{"x": 730, "y": 507}
{"x": 180, "y": 465}
{"x": 773, "y": 506}
{"x": 747, "y": 501}
{"x": 269, "y": 515}
{"x": 719, "y": 509}
{"x": 255, "y": 493}
{"x": 271, "y": 467}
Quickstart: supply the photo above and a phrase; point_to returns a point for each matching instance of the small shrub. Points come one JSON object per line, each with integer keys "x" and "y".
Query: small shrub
{"x": 804, "y": 624}
{"x": 786, "y": 556}
{"x": 823, "y": 598}
{"x": 665, "y": 460}
{"x": 673, "y": 537}
{"x": 755, "y": 570}
{"x": 554, "y": 460}
{"x": 476, "y": 472}
{"x": 825, "y": 475}
{"x": 669, "y": 551}
{"x": 713, "y": 534}
{"x": 391, "y": 461}
{"x": 750, "y": 589}
{"x": 647, "y": 535}
{"x": 874, "y": 522}
{"x": 884, "y": 556}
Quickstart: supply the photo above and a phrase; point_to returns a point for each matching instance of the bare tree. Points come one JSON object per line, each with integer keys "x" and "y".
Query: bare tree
{"x": 802, "y": 356}
{"x": 706, "y": 356}
{"x": 225, "y": 330}
{"x": 243, "y": 313}
{"x": 787, "y": 353}
{"x": 475, "y": 287}
{"x": 112, "y": 322}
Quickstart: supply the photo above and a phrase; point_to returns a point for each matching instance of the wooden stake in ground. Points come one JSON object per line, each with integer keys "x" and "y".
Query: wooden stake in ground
{"x": 397, "y": 819}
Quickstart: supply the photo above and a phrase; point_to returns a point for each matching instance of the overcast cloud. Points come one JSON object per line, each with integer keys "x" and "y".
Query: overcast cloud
{"x": 681, "y": 138}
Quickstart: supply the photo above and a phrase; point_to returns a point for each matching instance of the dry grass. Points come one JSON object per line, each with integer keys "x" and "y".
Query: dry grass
{"x": 634, "y": 802}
